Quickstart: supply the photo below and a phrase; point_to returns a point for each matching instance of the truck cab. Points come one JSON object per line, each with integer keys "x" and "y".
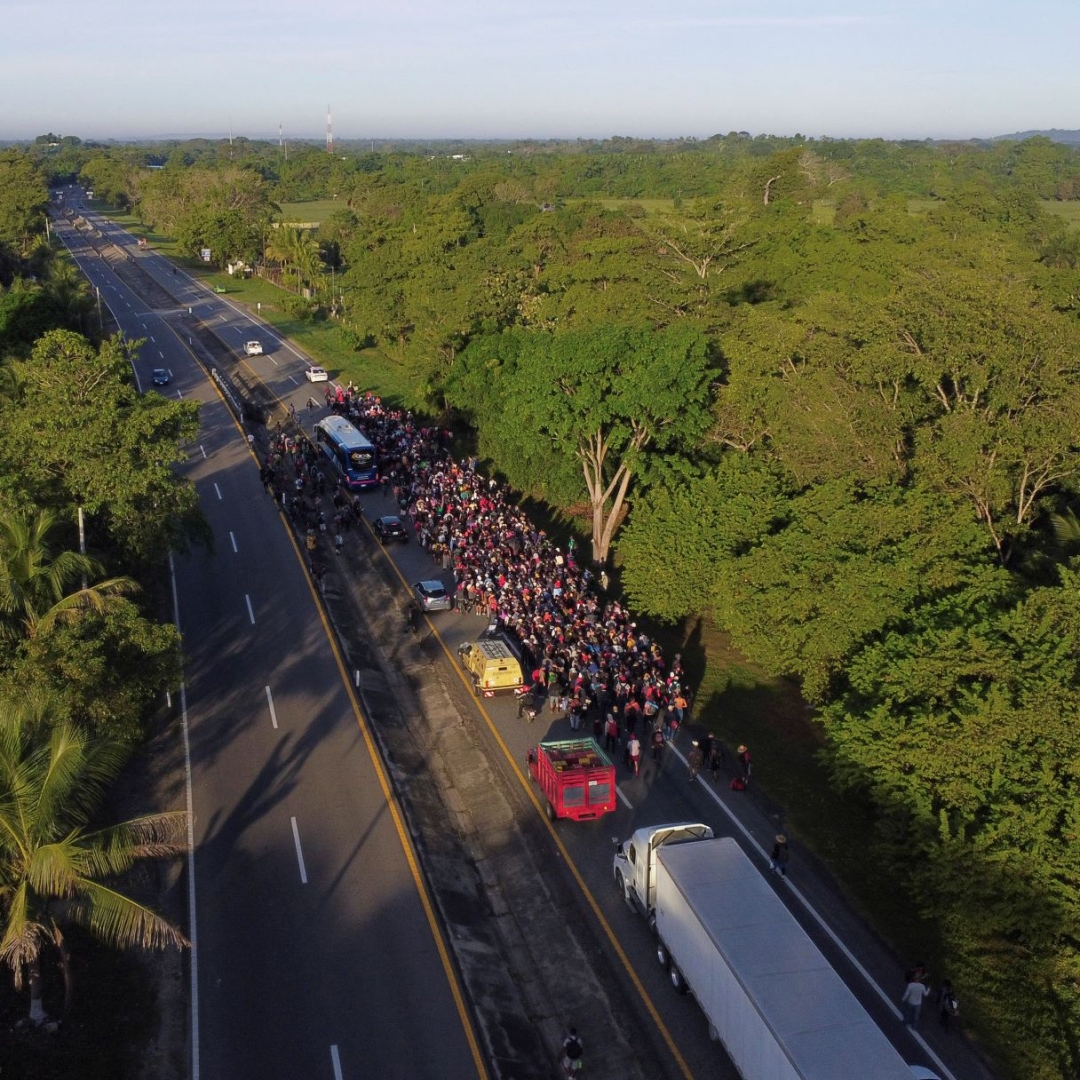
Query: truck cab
{"x": 635, "y": 859}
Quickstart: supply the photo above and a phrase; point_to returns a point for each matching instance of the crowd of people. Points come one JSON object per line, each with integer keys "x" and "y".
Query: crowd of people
{"x": 584, "y": 653}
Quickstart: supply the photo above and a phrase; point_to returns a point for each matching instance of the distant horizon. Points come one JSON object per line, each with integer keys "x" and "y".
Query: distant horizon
{"x": 486, "y": 70}
{"x": 320, "y": 137}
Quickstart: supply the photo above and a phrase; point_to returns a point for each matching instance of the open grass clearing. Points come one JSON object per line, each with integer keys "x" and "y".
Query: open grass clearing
{"x": 316, "y": 210}
{"x": 652, "y": 206}
{"x": 1069, "y": 212}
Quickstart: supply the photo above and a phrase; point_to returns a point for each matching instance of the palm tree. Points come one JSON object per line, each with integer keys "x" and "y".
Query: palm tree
{"x": 53, "y": 872}
{"x": 293, "y": 247}
{"x": 1066, "y": 528}
{"x": 67, "y": 289}
{"x": 34, "y": 583}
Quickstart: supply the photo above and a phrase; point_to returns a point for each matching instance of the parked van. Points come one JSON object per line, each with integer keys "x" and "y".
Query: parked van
{"x": 493, "y": 667}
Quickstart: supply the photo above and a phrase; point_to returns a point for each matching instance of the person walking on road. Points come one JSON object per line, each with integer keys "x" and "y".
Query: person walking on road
{"x": 744, "y": 765}
{"x": 779, "y": 859}
{"x": 948, "y": 1005}
{"x": 611, "y": 733}
{"x": 633, "y": 751}
{"x": 695, "y": 759}
{"x": 915, "y": 994}
{"x": 716, "y": 758}
{"x": 657, "y": 744}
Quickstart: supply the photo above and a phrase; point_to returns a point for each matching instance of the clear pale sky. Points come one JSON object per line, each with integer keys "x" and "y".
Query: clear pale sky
{"x": 502, "y": 68}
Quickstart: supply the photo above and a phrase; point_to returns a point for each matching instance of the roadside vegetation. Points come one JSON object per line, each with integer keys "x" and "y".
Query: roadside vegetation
{"x": 815, "y": 404}
{"x": 84, "y": 657}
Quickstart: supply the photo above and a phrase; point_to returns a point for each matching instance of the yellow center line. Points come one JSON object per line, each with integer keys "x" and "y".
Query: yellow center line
{"x": 403, "y": 836}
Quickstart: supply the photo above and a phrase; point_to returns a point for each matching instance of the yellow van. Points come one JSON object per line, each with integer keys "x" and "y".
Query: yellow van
{"x": 493, "y": 667}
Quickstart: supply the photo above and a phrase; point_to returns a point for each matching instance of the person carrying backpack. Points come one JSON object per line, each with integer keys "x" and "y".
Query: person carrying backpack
{"x": 657, "y": 744}
{"x": 572, "y": 1053}
{"x": 948, "y": 1005}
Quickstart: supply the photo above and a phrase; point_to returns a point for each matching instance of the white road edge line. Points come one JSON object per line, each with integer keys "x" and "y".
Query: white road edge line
{"x": 270, "y": 702}
{"x": 233, "y": 539}
{"x": 217, "y": 489}
{"x": 299, "y": 853}
{"x": 251, "y": 613}
{"x": 625, "y": 801}
{"x": 193, "y": 930}
{"x": 336, "y": 1062}
{"x": 203, "y": 449}
{"x": 812, "y": 912}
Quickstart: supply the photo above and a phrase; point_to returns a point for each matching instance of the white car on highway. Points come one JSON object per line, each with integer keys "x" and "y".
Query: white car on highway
{"x": 253, "y": 348}
{"x": 316, "y": 374}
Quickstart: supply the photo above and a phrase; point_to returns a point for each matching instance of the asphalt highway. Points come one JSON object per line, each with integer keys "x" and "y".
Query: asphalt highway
{"x": 317, "y": 955}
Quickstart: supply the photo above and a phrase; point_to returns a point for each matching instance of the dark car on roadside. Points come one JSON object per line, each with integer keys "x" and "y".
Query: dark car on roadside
{"x": 390, "y": 528}
{"x": 432, "y": 596}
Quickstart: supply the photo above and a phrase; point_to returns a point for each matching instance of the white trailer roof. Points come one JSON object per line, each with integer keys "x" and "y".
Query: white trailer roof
{"x": 826, "y": 1032}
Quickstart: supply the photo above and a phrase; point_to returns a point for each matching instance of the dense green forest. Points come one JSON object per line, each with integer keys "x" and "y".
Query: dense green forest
{"x": 84, "y": 654}
{"x": 823, "y": 393}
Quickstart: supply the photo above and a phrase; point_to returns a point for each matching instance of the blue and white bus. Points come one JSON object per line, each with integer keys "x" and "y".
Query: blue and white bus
{"x": 353, "y": 455}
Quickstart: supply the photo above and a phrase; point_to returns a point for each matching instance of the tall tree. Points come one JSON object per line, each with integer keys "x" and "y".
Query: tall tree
{"x": 82, "y": 434}
{"x": 24, "y": 201}
{"x": 603, "y": 398}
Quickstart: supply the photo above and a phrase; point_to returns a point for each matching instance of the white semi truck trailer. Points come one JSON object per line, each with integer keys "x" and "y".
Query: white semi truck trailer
{"x": 768, "y": 993}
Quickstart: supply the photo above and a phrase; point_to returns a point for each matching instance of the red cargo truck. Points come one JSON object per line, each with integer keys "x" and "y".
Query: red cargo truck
{"x": 576, "y": 776}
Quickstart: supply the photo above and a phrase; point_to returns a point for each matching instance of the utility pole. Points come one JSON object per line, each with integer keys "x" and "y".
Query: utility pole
{"x": 329, "y": 132}
{"x": 82, "y": 540}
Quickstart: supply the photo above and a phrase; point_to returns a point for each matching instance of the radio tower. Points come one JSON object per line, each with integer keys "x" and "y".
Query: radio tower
{"x": 329, "y": 132}
{"x": 282, "y": 144}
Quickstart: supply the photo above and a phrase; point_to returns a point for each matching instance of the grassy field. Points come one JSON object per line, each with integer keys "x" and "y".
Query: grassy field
{"x": 317, "y": 210}
{"x": 651, "y": 205}
{"x": 1069, "y": 211}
